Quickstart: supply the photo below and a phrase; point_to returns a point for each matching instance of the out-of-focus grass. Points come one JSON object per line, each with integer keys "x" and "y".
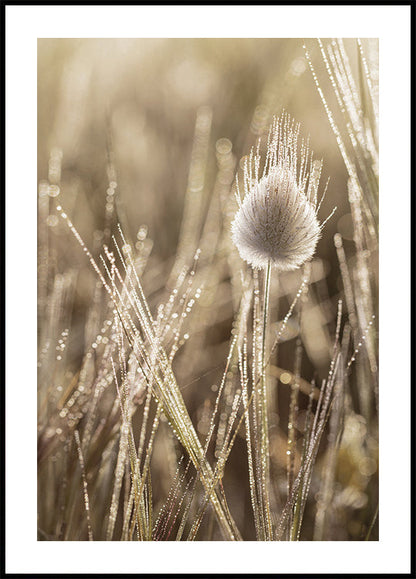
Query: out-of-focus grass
{"x": 148, "y": 134}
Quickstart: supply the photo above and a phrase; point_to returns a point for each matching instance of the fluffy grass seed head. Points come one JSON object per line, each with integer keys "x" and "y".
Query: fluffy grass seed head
{"x": 277, "y": 218}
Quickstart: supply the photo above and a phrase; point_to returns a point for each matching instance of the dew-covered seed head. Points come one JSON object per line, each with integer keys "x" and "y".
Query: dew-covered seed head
{"x": 276, "y": 222}
{"x": 277, "y": 218}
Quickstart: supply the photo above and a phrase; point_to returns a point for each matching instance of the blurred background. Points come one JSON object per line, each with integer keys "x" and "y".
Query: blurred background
{"x": 132, "y": 132}
{"x": 148, "y": 93}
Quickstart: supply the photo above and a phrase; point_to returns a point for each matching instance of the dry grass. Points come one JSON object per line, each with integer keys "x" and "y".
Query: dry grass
{"x": 157, "y": 417}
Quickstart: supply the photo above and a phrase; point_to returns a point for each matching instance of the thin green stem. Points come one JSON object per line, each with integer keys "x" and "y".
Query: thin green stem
{"x": 264, "y": 406}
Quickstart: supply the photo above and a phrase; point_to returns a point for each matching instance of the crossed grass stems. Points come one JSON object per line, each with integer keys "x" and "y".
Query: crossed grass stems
{"x": 145, "y": 337}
